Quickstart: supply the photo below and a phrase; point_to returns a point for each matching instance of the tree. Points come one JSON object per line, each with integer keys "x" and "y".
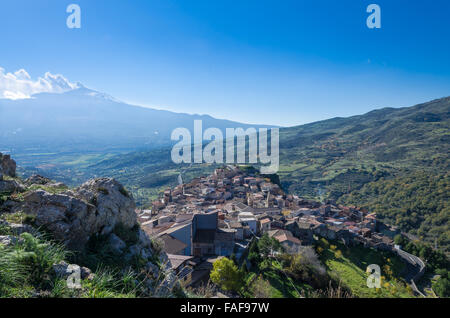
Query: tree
{"x": 267, "y": 245}
{"x": 234, "y": 259}
{"x": 253, "y": 253}
{"x": 324, "y": 243}
{"x": 442, "y": 287}
{"x": 226, "y": 274}
{"x": 261, "y": 288}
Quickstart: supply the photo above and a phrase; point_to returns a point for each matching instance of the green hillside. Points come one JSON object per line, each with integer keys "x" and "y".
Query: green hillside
{"x": 350, "y": 264}
{"x": 341, "y": 154}
{"x": 392, "y": 161}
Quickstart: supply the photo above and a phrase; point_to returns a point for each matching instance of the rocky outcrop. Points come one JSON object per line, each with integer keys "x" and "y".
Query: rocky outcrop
{"x": 100, "y": 211}
{"x": 70, "y": 220}
{"x": 73, "y": 217}
{"x": 10, "y": 186}
{"x": 116, "y": 244}
{"x": 7, "y": 166}
{"x": 37, "y": 179}
{"x": 95, "y": 208}
{"x": 113, "y": 203}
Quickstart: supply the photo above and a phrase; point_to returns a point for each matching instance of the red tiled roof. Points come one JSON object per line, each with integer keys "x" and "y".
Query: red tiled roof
{"x": 284, "y": 237}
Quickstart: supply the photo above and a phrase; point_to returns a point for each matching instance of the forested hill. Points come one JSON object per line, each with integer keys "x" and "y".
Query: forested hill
{"x": 392, "y": 161}
{"x": 351, "y": 151}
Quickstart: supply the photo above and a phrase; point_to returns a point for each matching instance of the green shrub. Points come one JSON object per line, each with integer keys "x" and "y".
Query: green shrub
{"x": 442, "y": 287}
{"x": 129, "y": 236}
{"x": 12, "y": 273}
{"x": 38, "y": 256}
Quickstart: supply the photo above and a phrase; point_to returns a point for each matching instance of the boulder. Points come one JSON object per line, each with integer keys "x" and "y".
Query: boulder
{"x": 9, "y": 205}
{"x": 10, "y": 186}
{"x": 116, "y": 244}
{"x": 86, "y": 273}
{"x": 144, "y": 240}
{"x": 56, "y": 185}
{"x": 74, "y": 216}
{"x": 152, "y": 269}
{"x": 113, "y": 203}
{"x": 37, "y": 179}
{"x": 70, "y": 220}
{"x": 7, "y": 240}
{"x": 146, "y": 253}
{"x": 63, "y": 270}
{"x": 134, "y": 250}
{"x": 8, "y": 165}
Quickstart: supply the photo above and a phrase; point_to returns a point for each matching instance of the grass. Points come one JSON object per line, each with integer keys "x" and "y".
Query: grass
{"x": 5, "y": 230}
{"x": 26, "y": 270}
{"x": 105, "y": 284}
{"x": 27, "y": 264}
{"x": 52, "y": 190}
{"x": 18, "y": 218}
{"x": 280, "y": 285}
{"x": 351, "y": 270}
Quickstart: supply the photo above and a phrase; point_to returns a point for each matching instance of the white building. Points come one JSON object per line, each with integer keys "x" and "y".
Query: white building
{"x": 247, "y": 218}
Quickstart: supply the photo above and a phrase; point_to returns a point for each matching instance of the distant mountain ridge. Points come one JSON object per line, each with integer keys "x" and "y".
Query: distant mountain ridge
{"x": 86, "y": 120}
{"x": 317, "y": 154}
{"x": 416, "y": 137}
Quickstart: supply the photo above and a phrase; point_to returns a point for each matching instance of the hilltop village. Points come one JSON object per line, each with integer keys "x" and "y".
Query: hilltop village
{"x": 218, "y": 215}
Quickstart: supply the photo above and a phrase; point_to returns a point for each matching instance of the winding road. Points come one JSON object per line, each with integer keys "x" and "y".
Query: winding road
{"x": 414, "y": 270}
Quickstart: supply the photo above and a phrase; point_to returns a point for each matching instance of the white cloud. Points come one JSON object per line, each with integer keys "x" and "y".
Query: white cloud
{"x": 20, "y": 85}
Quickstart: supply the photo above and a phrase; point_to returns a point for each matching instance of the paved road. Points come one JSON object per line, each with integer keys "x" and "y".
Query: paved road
{"x": 414, "y": 271}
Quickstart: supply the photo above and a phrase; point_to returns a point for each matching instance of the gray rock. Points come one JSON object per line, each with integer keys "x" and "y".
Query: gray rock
{"x": 11, "y": 186}
{"x": 86, "y": 273}
{"x": 21, "y": 228}
{"x": 144, "y": 240}
{"x": 117, "y": 245}
{"x": 133, "y": 251}
{"x": 114, "y": 204}
{"x": 10, "y": 205}
{"x": 37, "y": 179}
{"x": 74, "y": 216}
{"x": 146, "y": 253}
{"x": 64, "y": 270}
{"x": 56, "y": 185}
{"x": 152, "y": 269}
{"x": 8, "y": 165}
{"x": 7, "y": 240}
{"x": 61, "y": 270}
{"x": 71, "y": 220}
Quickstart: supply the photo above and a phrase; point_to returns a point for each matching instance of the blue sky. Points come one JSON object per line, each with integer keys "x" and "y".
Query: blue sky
{"x": 275, "y": 62}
